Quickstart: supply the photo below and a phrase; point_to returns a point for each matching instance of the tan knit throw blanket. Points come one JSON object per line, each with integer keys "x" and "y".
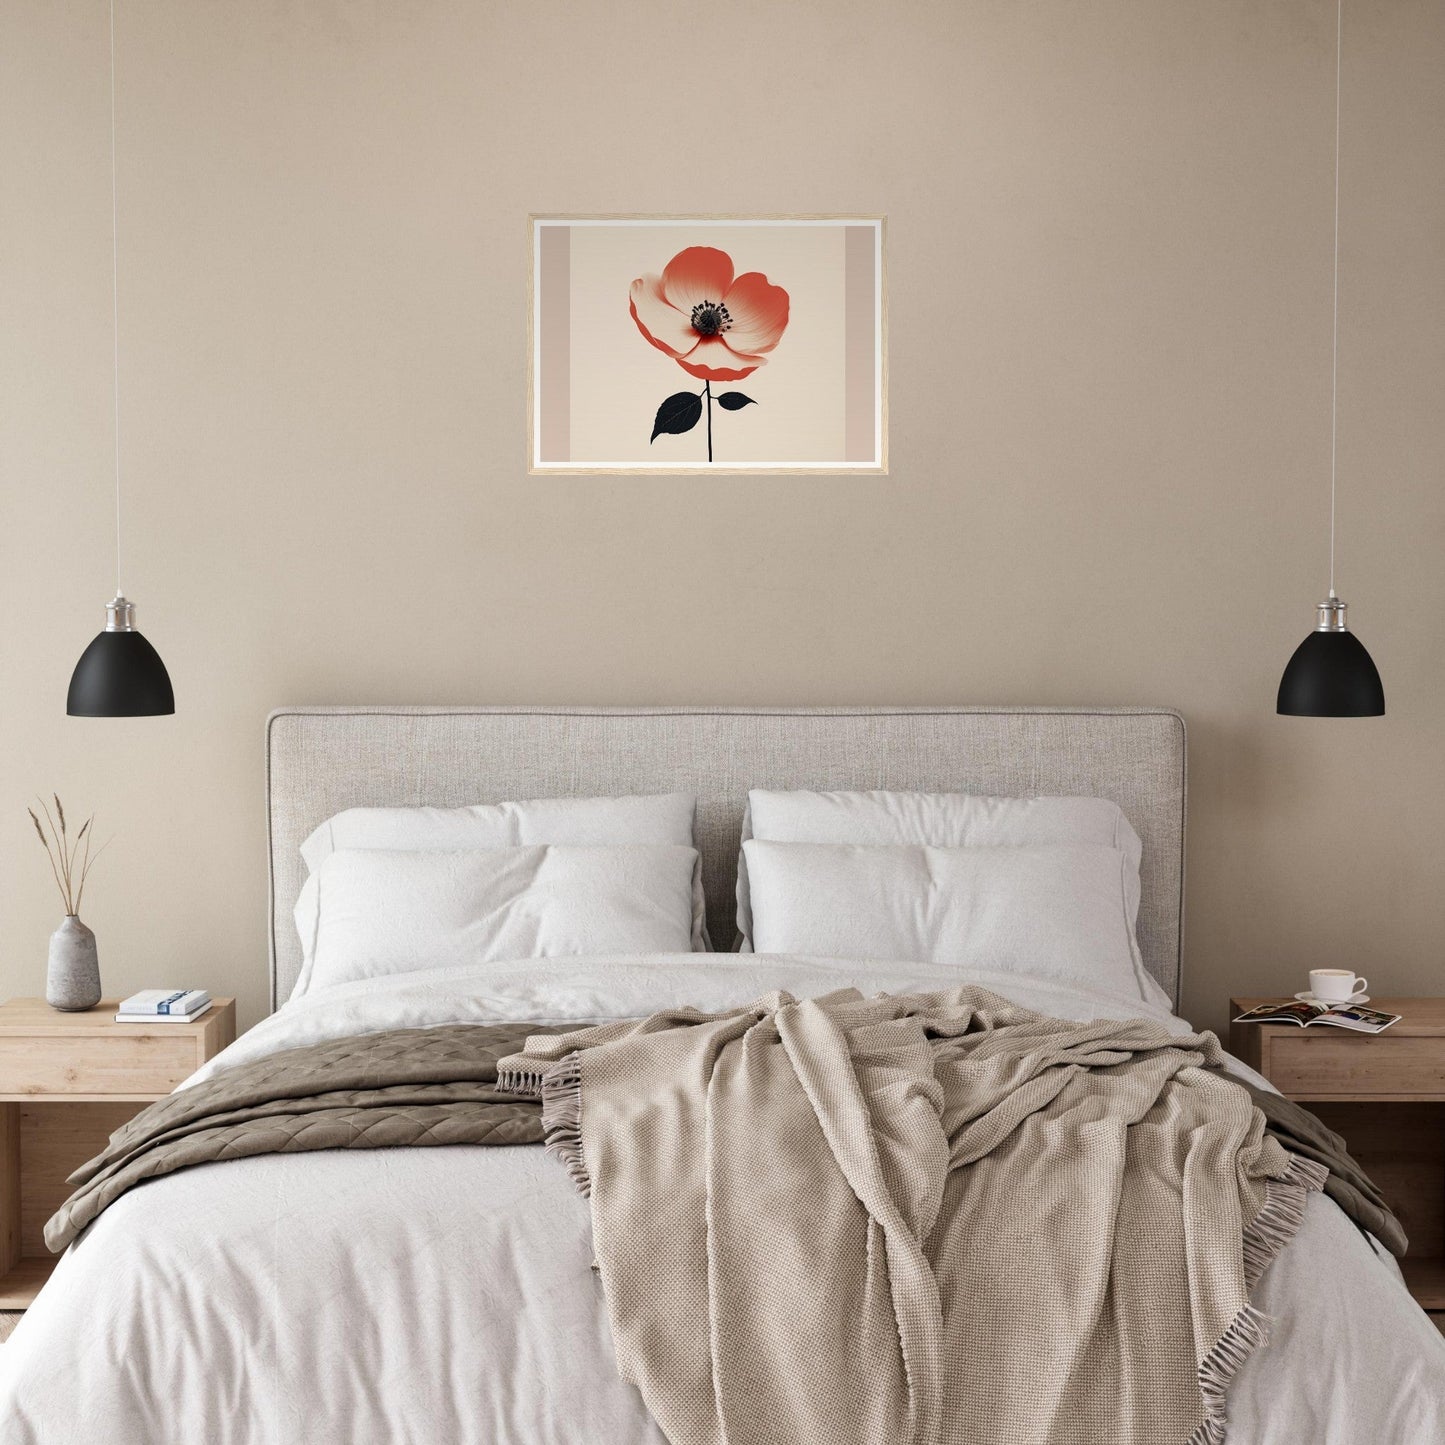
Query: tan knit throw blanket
{"x": 918, "y": 1219}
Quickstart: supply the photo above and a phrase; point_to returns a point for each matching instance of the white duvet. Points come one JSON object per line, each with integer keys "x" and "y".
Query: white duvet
{"x": 445, "y": 1296}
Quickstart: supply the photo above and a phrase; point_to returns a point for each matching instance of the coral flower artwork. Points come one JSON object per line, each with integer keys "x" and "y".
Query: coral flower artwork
{"x": 706, "y": 344}
{"x": 715, "y": 325}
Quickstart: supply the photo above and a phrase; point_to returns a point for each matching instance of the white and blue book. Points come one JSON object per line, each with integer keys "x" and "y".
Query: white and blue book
{"x": 163, "y": 1005}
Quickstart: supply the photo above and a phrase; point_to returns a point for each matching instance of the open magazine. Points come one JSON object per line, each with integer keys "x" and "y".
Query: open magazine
{"x": 1341, "y": 1015}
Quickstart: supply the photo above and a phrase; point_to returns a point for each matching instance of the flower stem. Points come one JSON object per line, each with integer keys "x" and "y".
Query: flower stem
{"x": 707, "y": 392}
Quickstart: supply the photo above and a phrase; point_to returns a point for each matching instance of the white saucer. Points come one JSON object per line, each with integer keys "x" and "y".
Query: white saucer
{"x": 1333, "y": 1002}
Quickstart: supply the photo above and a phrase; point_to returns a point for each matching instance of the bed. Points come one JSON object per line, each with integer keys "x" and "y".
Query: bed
{"x": 445, "y": 1295}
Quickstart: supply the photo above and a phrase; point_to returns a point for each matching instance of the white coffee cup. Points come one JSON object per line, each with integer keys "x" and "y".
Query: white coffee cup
{"x": 1337, "y": 985}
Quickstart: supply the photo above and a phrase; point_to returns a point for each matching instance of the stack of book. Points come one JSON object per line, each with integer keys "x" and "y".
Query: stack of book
{"x": 163, "y": 1006}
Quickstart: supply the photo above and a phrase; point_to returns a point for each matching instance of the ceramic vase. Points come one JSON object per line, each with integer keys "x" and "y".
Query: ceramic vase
{"x": 72, "y": 980}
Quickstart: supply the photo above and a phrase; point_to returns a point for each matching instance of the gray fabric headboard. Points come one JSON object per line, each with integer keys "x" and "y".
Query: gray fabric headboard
{"x": 322, "y": 759}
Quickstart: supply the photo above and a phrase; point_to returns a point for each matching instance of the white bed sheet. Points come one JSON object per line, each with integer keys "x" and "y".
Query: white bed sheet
{"x": 444, "y": 1296}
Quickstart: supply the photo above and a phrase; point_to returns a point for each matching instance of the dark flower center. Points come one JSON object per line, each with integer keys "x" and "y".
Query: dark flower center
{"x": 710, "y": 317}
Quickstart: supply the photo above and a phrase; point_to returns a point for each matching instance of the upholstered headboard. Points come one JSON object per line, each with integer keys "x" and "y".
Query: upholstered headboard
{"x": 322, "y": 759}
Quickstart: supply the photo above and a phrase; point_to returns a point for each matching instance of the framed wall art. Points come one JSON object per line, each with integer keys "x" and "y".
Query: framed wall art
{"x": 707, "y": 344}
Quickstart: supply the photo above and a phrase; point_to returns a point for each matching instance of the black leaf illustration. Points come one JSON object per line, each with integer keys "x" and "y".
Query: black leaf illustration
{"x": 734, "y": 401}
{"x": 679, "y": 413}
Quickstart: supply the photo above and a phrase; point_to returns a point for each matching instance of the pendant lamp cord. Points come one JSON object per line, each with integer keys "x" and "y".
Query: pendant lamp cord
{"x": 1335, "y": 337}
{"x": 115, "y": 297}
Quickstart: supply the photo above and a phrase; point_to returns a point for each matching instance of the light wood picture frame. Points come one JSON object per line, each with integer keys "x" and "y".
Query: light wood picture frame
{"x": 696, "y": 344}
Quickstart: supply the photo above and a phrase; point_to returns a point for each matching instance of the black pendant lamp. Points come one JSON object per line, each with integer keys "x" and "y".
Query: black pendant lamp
{"x": 1331, "y": 674}
{"x": 120, "y": 674}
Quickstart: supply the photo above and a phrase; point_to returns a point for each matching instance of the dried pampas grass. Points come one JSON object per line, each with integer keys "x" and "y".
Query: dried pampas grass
{"x": 69, "y": 858}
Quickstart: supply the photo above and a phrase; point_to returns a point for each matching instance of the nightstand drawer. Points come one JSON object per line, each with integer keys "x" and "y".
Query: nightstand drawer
{"x": 124, "y": 1064}
{"x": 1320, "y": 1065}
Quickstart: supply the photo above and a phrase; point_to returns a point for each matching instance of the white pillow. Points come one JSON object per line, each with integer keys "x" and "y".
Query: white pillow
{"x": 1057, "y": 911}
{"x": 385, "y": 911}
{"x": 659, "y": 818}
{"x": 939, "y": 820}
{"x": 646, "y": 818}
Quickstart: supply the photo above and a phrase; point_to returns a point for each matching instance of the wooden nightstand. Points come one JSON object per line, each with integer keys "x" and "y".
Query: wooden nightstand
{"x": 1385, "y": 1093}
{"x": 67, "y": 1081}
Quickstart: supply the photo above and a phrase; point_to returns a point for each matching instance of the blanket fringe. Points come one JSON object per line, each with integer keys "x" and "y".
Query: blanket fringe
{"x": 522, "y": 1079}
{"x": 561, "y": 1089}
{"x": 1284, "y": 1207}
{"x": 1267, "y": 1233}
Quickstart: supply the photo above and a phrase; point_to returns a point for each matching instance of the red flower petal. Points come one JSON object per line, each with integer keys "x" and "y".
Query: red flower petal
{"x": 712, "y": 359}
{"x": 759, "y": 311}
{"x": 667, "y": 328}
{"x": 700, "y": 273}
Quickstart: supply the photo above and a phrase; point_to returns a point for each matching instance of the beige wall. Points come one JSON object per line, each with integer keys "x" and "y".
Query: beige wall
{"x": 1109, "y": 233}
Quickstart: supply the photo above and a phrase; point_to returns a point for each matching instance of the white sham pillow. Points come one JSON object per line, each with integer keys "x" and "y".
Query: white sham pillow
{"x": 649, "y": 818}
{"x": 938, "y": 820}
{"x": 640, "y": 818}
{"x": 1056, "y": 911}
{"x": 388, "y": 911}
